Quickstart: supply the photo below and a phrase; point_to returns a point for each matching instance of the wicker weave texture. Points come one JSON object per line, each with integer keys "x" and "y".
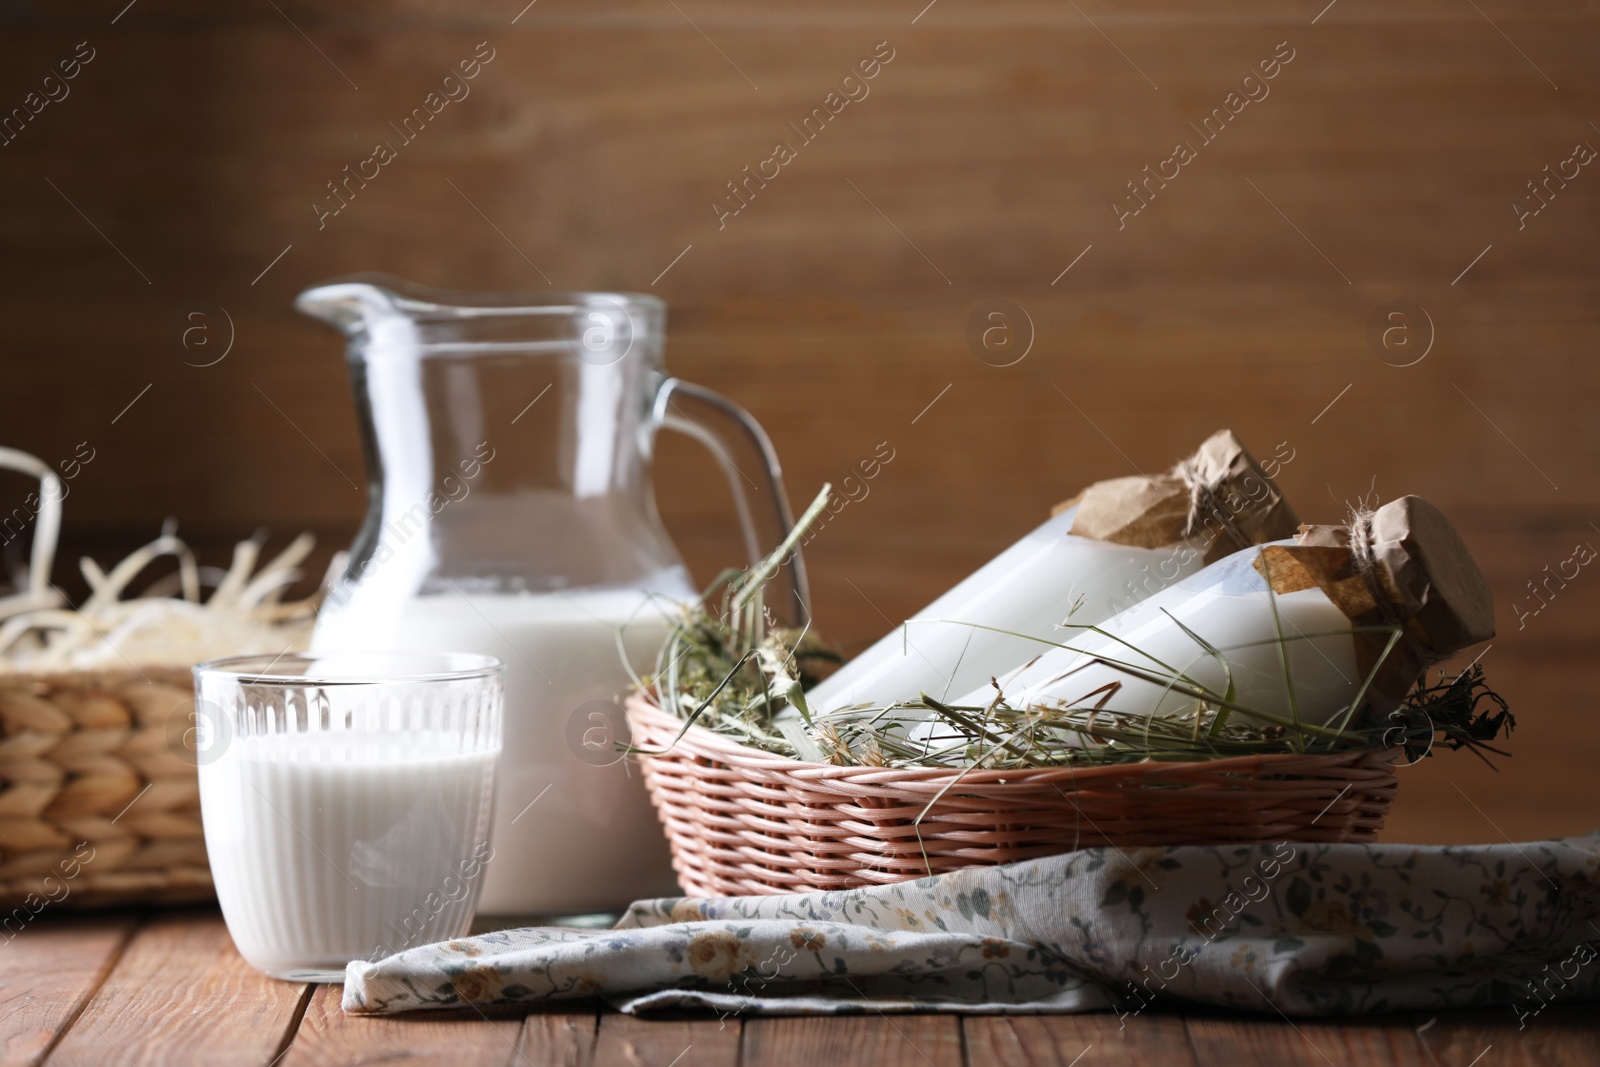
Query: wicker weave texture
{"x": 99, "y": 799}
{"x": 743, "y": 822}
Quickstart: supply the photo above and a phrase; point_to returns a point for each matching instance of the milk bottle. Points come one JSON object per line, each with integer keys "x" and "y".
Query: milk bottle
{"x": 1121, "y": 542}
{"x": 1331, "y": 628}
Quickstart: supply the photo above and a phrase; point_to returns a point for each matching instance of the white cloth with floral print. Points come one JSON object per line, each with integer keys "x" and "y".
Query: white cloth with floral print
{"x": 1300, "y": 929}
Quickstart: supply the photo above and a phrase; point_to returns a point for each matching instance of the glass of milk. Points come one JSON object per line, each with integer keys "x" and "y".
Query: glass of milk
{"x": 346, "y": 801}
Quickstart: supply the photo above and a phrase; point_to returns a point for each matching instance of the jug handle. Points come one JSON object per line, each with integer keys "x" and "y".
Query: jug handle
{"x": 731, "y": 433}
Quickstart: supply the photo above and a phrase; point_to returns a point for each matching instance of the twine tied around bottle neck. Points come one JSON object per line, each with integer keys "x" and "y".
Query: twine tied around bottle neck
{"x": 1401, "y": 566}
{"x": 1210, "y": 504}
{"x": 1366, "y": 567}
{"x": 1204, "y": 482}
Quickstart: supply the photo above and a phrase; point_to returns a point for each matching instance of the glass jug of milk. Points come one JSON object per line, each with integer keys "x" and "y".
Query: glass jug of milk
{"x": 508, "y": 442}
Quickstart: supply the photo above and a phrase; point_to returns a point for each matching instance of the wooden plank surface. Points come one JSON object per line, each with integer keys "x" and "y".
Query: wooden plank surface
{"x": 1227, "y": 1041}
{"x": 48, "y": 971}
{"x": 1149, "y": 1039}
{"x": 1565, "y": 1035}
{"x": 995, "y": 141}
{"x": 1395, "y": 141}
{"x": 884, "y": 1040}
{"x": 627, "y": 1041}
{"x": 326, "y": 1037}
{"x": 173, "y": 991}
{"x": 557, "y": 1038}
{"x": 180, "y": 993}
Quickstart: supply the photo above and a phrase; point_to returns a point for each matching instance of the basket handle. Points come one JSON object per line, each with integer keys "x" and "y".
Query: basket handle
{"x": 46, "y": 532}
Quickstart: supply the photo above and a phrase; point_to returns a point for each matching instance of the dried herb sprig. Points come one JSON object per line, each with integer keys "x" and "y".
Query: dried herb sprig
{"x": 1460, "y": 712}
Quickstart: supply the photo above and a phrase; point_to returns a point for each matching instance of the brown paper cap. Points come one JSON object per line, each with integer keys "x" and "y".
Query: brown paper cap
{"x": 1153, "y": 511}
{"x": 1428, "y": 582}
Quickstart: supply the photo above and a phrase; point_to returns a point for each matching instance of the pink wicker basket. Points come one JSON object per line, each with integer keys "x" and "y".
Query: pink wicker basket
{"x": 741, "y": 821}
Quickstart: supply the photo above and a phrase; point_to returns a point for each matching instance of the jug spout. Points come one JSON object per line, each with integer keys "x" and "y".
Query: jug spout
{"x": 352, "y": 305}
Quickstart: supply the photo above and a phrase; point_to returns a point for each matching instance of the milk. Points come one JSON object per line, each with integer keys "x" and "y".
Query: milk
{"x": 326, "y": 849}
{"x": 1228, "y": 605}
{"x": 574, "y": 831}
{"x": 1030, "y": 588}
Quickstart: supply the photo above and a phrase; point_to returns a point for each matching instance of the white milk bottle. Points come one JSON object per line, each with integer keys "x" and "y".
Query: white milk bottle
{"x": 1228, "y": 606}
{"x": 1122, "y": 542}
{"x": 1332, "y": 627}
{"x": 511, "y": 513}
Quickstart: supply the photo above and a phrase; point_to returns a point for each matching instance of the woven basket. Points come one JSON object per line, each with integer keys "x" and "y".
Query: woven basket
{"x": 99, "y": 800}
{"x": 741, "y": 821}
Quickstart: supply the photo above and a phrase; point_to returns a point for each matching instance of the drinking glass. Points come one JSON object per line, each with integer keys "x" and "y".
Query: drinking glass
{"x": 347, "y": 801}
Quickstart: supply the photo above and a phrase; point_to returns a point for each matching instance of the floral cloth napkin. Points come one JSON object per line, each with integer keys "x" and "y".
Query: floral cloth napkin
{"x": 1294, "y": 928}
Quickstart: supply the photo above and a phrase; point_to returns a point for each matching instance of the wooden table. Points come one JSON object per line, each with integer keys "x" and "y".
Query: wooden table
{"x": 167, "y": 987}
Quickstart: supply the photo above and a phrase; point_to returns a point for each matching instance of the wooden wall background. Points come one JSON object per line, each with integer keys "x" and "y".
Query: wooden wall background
{"x": 1383, "y": 165}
